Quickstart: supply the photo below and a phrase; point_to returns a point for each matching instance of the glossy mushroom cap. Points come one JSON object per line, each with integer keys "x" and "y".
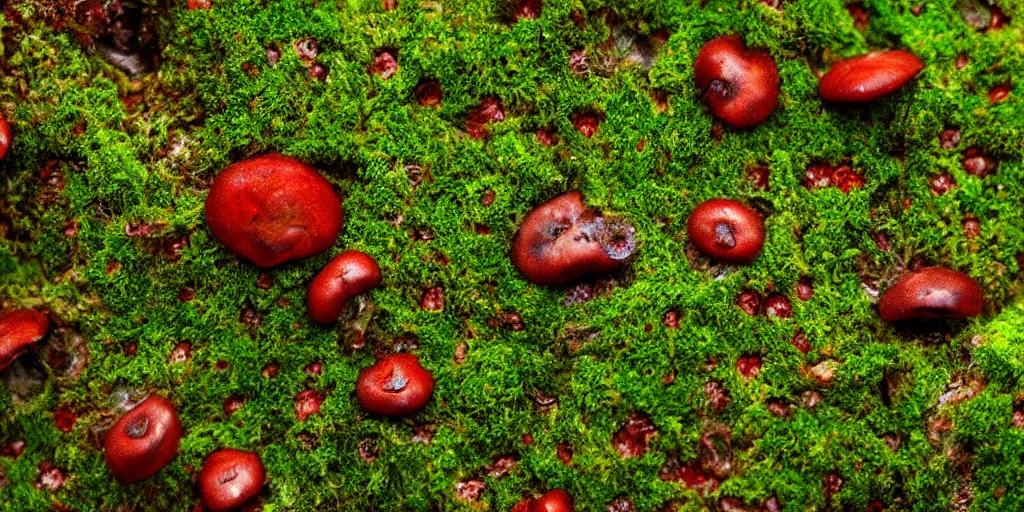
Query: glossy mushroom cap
{"x": 5, "y": 137}
{"x": 553, "y": 501}
{"x": 397, "y": 385}
{"x": 143, "y": 441}
{"x": 869, "y": 77}
{"x": 562, "y": 240}
{"x": 932, "y": 292}
{"x": 349, "y": 274}
{"x": 230, "y": 478}
{"x": 726, "y": 230}
{"x": 740, "y": 86}
{"x": 272, "y": 209}
{"x": 19, "y": 330}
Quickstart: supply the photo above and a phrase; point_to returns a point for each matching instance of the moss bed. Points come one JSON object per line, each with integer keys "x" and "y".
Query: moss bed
{"x": 101, "y": 225}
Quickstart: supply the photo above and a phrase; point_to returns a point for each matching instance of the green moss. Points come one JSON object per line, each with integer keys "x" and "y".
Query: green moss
{"x": 215, "y": 99}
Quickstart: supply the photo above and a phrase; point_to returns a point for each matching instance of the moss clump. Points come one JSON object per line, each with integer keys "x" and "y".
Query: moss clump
{"x": 102, "y": 223}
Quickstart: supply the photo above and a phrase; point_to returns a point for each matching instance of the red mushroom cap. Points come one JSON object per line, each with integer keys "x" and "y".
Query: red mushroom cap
{"x": 20, "y": 329}
{"x": 740, "y": 86}
{"x": 143, "y": 441}
{"x": 349, "y": 274}
{"x": 932, "y": 292}
{"x": 726, "y": 230}
{"x": 5, "y": 137}
{"x": 272, "y": 209}
{"x": 869, "y": 77}
{"x": 553, "y": 501}
{"x": 562, "y": 240}
{"x": 230, "y": 478}
{"x": 397, "y": 385}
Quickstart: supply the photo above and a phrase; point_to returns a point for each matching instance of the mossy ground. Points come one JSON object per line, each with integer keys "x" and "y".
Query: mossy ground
{"x": 144, "y": 151}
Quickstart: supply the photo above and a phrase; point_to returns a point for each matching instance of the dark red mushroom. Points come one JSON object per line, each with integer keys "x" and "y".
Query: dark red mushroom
{"x": 5, "y": 137}
{"x": 563, "y": 239}
{"x": 396, "y": 386}
{"x": 869, "y": 77}
{"x": 272, "y": 209}
{"x": 143, "y": 441}
{"x": 349, "y": 274}
{"x": 19, "y": 330}
{"x": 553, "y": 501}
{"x": 726, "y": 230}
{"x": 740, "y": 86}
{"x": 932, "y": 293}
{"x": 230, "y": 478}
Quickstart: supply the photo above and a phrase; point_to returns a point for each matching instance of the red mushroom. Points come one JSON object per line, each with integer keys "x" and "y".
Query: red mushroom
{"x": 19, "y": 330}
{"x": 396, "y": 386}
{"x": 553, "y": 501}
{"x": 932, "y": 293}
{"x": 349, "y": 274}
{"x": 5, "y": 137}
{"x": 869, "y": 77}
{"x": 562, "y": 240}
{"x": 272, "y": 209}
{"x": 230, "y": 478}
{"x": 740, "y": 86}
{"x": 726, "y": 230}
{"x": 143, "y": 441}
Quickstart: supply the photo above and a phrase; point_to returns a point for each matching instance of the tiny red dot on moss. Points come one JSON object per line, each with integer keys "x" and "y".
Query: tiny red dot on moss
{"x": 232, "y": 404}
{"x": 671, "y": 319}
{"x": 181, "y": 353}
{"x": 999, "y": 93}
{"x": 971, "y": 226}
{"x": 800, "y": 342}
{"x": 805, "y": 289}
{"x": 528, "y": 9}
{"x": 270, "y": 371}
{"x": 941, "y": 183}
{"x": 949, "y": 138}
{"x": 546, "y": 137}
{"x": 749, "y": 302}
{"x": 433, "y": 299}
{"x": 777, "y": 305}
{"x": 632, "y": 440}
{"x": 385, "y": 63}
{"x": 962, "y": 61}
{"x": 13, "y": 449}
{"x": 186, "y": 294}
{"x": 749, "y": 366}
{"x": 999, "y": 18}
{"x": 265, "y": 281}
{"x": 65, "y": 419}
{"x": 307, "y": 403}
{"x": 318, "y": 72}
{"x": 586, "y": 122}
{"x": 859, "y": 14}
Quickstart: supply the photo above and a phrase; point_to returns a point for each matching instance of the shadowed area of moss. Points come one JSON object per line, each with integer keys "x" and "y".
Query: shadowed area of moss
{"x": 102, "y": 224}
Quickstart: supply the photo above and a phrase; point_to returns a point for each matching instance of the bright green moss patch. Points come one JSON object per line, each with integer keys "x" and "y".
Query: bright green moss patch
{"x": 106, "y": 172}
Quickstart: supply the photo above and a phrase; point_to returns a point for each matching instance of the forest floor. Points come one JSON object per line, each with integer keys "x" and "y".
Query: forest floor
{"x": 646, "y": 390}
